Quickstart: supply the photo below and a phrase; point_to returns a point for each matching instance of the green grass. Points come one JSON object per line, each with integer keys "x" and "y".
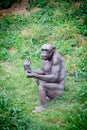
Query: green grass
{"x": 21, "y": 37}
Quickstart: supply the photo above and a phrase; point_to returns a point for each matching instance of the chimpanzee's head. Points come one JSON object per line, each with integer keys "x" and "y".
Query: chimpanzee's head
{"x": 47, "y": 51}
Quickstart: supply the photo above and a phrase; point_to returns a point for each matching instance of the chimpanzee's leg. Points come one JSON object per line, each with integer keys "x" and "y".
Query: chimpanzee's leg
{"x": 55, "y": 86}
{"x": 38, "y": 81}
{"x": 54, "y": 90}
{"x": 42, "y": 95}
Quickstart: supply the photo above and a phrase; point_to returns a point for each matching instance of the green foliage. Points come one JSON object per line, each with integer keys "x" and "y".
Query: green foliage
{"x": 11, "y": 118}
{"x": 4, "y": 54}
{"x": 82, "y": 62}
{"x": 38, "y": 3}
{"x": 46, "y": 3}
{"x": 79, "y": 120}
{"x": 82, "y": 71}
{"x": 81, "y": 15}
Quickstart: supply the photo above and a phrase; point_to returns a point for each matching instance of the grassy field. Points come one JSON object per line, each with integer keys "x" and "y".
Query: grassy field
{"x": 64, "y": 26}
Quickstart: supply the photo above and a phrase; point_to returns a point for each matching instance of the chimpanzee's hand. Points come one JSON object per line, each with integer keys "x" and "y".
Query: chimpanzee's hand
{"x": 29, "y": 75}
{"x": 27, "y": 66}
{"x": 29, "y": 71}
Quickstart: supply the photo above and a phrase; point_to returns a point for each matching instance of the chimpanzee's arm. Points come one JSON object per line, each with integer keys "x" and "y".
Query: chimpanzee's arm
{"x": 49, "y": 77}
{"x": 39, "y": 71}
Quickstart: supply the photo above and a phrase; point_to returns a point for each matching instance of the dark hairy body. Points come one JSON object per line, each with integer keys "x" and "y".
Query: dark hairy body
{"x": 50, "y": 77}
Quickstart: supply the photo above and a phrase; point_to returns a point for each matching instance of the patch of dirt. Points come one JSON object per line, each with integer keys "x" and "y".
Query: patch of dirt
{"x": 81, "y": 40}
{"x": 77, "y": 4}
{"x": 12, "y": 51}
{"x": 17, "y": 8}
{"x": 25, "y": 32}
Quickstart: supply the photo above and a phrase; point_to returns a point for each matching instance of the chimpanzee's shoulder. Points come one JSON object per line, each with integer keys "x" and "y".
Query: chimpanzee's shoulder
{"x": 56, "y": 59}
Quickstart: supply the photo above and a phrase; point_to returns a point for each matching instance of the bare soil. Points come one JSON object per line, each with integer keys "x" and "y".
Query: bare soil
{"x": 17, "y": 8}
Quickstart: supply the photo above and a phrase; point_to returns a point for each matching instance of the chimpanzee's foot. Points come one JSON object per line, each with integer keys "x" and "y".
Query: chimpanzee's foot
{"x": 39, "y": 109}
{"x": 48, "y": 99}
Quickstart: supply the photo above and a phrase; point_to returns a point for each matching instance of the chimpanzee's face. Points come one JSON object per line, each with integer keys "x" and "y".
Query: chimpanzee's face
{"x": 47, "y": 53}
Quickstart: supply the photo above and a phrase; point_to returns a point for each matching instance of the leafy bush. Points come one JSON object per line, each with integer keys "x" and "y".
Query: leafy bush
{"x": 4, "y": 4}
{"x": 11, "y": 118}
{"x": 82, "y": 13}
{"x": 81, "y": 17}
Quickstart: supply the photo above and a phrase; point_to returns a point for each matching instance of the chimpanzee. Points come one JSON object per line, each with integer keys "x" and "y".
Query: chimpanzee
{"x": 50, "y": 77}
